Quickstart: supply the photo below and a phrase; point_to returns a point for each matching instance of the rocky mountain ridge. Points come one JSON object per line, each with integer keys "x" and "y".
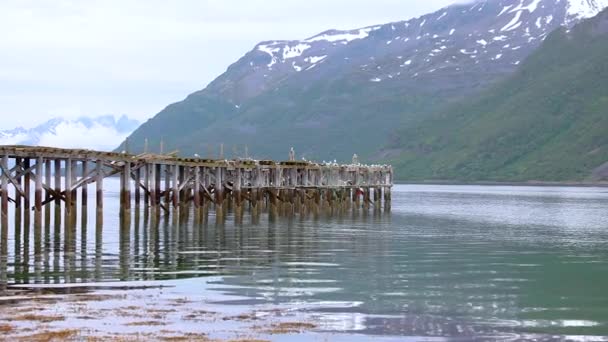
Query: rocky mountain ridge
{"x": 344, "y": 92}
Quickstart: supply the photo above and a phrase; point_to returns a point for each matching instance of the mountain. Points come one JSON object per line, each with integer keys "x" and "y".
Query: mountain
{"x": 548, "y": 121}
{"x": 344, "y": 92}
{"x": 99, "y": 133}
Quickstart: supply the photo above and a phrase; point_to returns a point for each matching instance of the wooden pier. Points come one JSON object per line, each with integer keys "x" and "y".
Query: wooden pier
{"x": 162, "y": 183}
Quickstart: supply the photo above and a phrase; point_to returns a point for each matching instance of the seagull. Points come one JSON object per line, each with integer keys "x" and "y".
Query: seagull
{"x": 196, "y": 155}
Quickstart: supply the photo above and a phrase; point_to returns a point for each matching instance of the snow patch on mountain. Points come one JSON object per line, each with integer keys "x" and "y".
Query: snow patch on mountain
{"x": 315, "y": 59}
{"x": 513, "y": 24}
{"x": 342, "y": 36}
{"x": 582, "y": 9}
{"x": 287, "y": 51}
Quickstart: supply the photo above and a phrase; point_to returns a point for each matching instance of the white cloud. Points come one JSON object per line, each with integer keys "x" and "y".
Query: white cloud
{"x": 76, "y": 135}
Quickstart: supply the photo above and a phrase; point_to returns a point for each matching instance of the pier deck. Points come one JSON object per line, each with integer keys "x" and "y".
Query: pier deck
{"x": 160, "y": 182}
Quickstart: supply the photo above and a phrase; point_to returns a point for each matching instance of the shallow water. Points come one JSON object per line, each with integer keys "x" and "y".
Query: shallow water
{"x": 449, "y": 261}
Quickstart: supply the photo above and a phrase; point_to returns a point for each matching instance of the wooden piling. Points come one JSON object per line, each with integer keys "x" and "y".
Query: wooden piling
{"x": 146, "y": 170}
{"x": 99, "y": 186}
{"x": 47, "y": 194}
{"x": 84, "y": 193}
{"x": 152, "y": 186}
{"x": 197, "y": 187}
{"x": 237, "y": 186}
{"x": 219, "y": 187}
{"x": 126, "y": 185}
{"x": 38, "y": 194}
{"x": 175, "y": 186}
{"x": 18, "y": 197}
{"x": 157, "y": 188}
{"x": 137, "y": 187}
{"x": 74, "y": 191}
{"x": 4, "y": 204}
{"x": 27, "y": 184}
{"x": 68, "y": 186}
{"x": 167, "y": 172}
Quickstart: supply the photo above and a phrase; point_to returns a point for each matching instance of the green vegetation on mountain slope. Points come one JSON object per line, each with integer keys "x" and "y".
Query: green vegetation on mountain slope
{"x": 548, "y": 121}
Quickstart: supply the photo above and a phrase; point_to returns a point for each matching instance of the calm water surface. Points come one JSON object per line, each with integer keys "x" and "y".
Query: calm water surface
{"x": 449, "y": 261}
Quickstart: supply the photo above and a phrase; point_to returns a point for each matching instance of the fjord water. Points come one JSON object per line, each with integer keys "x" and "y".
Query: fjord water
{"x": 448, "y": 261}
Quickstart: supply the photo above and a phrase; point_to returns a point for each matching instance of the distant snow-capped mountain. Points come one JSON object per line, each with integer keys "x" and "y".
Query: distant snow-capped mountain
{"x": 99, "y": 133}
{"x": 495, "y": 35}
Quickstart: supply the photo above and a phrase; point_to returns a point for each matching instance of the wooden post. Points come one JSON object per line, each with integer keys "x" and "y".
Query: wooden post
{"x": 27, "y": 183}
{"x": 4, "y": 199}
{"x": 47, "y": 196}
{"x": 138, "y": 187}
{"x": 57, "y": 183}
{"x": 146, "y": 168}
{"x": 197, "y": 187}
{"x": 387, "y": 198}
{"x": 157, "y": 178}
{"x": 84, "y": 201}
{"x": 126, "y": 188}
{"x": 99, "y": 185}
{"x": 219, "y": 186}
{"x": 278, "y": 177}
{"x": 181, "y": 185}
{"x": 38, "y": 194}
{"x": 376, "y": 198}
{"x": 175, "y": 184}
{"x": 74, "y": 191}
{"x": 153, "y": 198}
{"x": 18, "y": 197}
{"x": 168, "y": 171}
{"x": 68, "y": 186}
{"x": 236, "y": 187}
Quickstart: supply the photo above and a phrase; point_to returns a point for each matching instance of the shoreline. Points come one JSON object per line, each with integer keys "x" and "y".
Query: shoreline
{"x": 146, "y": 310}
{"x": 506, "y": 183}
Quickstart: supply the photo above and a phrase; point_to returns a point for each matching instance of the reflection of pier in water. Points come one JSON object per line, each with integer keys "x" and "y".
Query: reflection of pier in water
{"x": 164, "y": 187}
{"x": 176, "y": 246}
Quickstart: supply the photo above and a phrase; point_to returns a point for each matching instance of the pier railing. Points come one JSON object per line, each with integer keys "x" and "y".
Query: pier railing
{"x": 160, "y": 182}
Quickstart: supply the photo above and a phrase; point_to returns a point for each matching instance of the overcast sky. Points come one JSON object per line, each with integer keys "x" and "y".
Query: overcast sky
{"x": 70, "y": 57}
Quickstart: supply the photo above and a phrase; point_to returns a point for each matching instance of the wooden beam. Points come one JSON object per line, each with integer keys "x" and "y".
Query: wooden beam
{"x": 4, "y": 194}
{"x": 13, "y": 181}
